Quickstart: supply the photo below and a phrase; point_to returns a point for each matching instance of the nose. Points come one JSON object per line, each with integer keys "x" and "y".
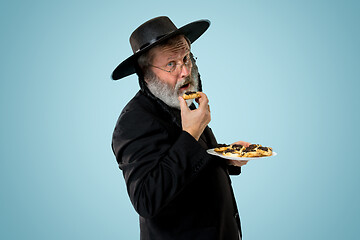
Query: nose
{"x": 184, "y": 71}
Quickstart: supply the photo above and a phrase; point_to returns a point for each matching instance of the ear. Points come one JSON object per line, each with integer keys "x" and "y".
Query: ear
{"x": 148, "y": 75}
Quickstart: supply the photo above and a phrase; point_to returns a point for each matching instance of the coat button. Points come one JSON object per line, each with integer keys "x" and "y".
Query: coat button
{"x": 236, "y": 215}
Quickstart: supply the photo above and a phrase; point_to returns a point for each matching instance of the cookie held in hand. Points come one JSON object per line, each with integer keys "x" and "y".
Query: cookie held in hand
{"x": 191, "y": 95}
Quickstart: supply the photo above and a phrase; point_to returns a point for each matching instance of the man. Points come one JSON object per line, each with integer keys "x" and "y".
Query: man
{"x": 160, "y": 141}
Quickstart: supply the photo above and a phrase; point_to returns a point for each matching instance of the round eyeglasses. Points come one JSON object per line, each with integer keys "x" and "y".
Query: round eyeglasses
{"x": 172, "y": 67}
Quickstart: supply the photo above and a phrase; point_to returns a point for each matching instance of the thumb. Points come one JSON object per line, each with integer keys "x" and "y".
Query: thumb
{"x": 183, "y": 105}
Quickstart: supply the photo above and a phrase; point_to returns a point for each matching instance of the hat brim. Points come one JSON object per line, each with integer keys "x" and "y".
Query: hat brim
{"x": 192, "y": 31}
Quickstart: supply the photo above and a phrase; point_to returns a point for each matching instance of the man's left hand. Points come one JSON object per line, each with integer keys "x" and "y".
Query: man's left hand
{"x": 237, "y": 163}
{"x": 245, "y": 144}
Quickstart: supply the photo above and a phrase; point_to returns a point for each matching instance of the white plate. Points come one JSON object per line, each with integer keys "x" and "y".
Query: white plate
{"x": 212, "y": 152}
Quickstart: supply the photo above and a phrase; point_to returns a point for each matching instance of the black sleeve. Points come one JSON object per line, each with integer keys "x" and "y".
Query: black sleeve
{"x": 156, "y": 167}
{"x": 234, "y": 170}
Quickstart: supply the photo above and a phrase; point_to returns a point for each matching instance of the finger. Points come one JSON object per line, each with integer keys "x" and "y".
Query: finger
{"x": 202, "y": 98}
{"x": 243, "y": 162}
{"x": 203, "y": 101}
{"x": 183, "y": 105}
{"x": 237, "y": 163}
{"x": 245, "y": 144}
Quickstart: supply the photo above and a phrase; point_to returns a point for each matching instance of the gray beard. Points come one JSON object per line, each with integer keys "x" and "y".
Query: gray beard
{"x": 168, "y": 94}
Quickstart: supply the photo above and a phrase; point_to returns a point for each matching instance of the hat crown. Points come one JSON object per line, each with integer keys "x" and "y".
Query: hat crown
{"x": 151, "y": 31}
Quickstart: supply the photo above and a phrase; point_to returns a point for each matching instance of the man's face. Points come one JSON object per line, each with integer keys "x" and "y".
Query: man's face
{"x": 174, "y": 54}
{"x": 169, "y": 85}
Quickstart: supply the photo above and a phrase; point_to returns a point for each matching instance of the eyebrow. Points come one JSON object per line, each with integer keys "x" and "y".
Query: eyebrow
{"x": 172, "y": 58}
{"x": 175, "y": 48}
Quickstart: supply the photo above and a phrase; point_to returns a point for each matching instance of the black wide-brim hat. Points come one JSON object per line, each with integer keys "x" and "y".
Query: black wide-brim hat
{"x": 152, "y": 33}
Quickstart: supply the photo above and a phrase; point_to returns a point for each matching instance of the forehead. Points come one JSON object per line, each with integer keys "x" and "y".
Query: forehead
{"x": 172, "y": 50}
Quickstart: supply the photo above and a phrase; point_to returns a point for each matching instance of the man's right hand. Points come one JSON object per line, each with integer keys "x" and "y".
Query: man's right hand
{"x": 195, "y": 121}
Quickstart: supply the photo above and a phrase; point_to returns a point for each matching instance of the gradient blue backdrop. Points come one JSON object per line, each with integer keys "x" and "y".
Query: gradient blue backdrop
{"x": 290, "y": 70}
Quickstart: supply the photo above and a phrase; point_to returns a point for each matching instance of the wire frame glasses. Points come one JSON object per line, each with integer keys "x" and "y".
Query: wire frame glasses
{"x": 173, "y": 67}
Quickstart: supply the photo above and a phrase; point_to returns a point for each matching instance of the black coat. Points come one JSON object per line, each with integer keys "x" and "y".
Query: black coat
{"x": 179, "y": 191}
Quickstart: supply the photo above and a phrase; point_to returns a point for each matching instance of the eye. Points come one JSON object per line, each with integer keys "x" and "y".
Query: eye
{"x": 186, "y": 59}
{"x": 170, "y": 64}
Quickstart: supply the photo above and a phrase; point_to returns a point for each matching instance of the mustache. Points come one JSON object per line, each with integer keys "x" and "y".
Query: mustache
{"x": 185, "y": 81}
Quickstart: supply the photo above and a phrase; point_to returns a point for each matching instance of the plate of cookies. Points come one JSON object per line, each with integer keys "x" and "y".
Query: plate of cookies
{"x": 242, "y": 153}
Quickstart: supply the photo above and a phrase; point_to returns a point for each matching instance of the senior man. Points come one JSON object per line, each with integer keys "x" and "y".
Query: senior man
{"x": 160, "y": 141}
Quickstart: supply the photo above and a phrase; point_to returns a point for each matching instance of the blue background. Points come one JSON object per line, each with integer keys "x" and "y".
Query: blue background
{"x": 281, "y": 73}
